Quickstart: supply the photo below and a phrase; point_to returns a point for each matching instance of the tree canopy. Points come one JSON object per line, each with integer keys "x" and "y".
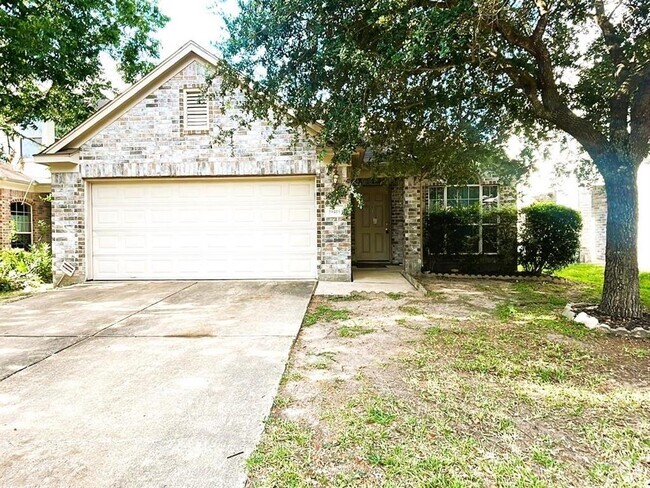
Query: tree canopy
{"x": 50, "y": 66}
{"x": 445, "y": 82}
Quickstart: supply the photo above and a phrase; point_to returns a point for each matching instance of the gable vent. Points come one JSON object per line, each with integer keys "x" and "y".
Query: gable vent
{"x": 196, "y": 110}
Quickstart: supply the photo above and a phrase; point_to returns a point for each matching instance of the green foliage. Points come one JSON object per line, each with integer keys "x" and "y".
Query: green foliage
{"x": 323, "y": 313}
{"x": 550, "y": 237}
{"x": 354, "y": 330}
{"x": 356, "y": 68}
{"x": 50, "y": 53}
{"x": 436, "y": 89}
{"x": 454, "y": 233}
{"x": 20, "y": 268}
{"x": 456, "y": 230}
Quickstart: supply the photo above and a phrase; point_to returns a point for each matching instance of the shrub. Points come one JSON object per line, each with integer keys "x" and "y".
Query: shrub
{"x": 452, "y": 237}
{"x": 550, "y": 237}
{"x": 20, "y": 268}
{"x": 456, "y": 230}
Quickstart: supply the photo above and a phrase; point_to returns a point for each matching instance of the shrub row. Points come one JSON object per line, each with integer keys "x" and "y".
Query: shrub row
{"x": 548, "y": 238}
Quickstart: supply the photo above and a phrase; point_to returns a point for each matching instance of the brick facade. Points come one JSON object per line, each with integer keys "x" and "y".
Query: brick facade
{"x": 397, "y": 222}
{"x": 149, "y": 141}
{"x": 68, "y": 224}
{"x": 413, "y": 211}
{"x": 41, "y": 215}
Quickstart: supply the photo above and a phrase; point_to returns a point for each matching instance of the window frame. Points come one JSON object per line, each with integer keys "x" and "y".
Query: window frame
{"x": 482, "y": 206}
{"x": 31, "y": 221}
{"x": 194, "y": 128}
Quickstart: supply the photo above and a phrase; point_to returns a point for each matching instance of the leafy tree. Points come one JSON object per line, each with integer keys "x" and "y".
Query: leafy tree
{"x": 453, "y": 78}
{"x": 50, "y": 66}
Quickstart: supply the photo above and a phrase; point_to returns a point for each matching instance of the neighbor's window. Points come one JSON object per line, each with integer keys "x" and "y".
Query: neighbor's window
{"x": 196, "y": 110}
{"x": 21, "y": 218}
{"x": 480, "y": 237}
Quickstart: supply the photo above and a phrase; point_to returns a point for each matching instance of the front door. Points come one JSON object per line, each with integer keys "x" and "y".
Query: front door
{"x": 372, "y": 225}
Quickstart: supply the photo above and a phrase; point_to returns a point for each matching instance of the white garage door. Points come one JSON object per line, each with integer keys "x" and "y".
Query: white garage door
{"x": 237, "y": 228}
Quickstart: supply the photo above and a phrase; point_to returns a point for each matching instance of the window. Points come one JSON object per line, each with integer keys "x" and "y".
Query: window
{"x": 478, "y": 238}
{"x": 21, "y": 219}
{"x": 196, "y": 110}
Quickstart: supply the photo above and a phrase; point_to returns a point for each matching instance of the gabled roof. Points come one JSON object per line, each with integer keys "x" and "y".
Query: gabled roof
{"x": 69, "y": 143}
{"x": 136, "y": 92}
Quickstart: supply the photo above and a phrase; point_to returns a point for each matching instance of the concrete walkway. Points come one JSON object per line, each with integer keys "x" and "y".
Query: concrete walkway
{"x": 141, "y": 384}
{"x": 368, "y": 280}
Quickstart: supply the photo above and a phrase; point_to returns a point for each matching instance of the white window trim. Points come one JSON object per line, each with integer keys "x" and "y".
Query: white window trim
{"x": 186, "y": 92}
{"x": 480, "y": 197}
{"x": 31, "y": 222}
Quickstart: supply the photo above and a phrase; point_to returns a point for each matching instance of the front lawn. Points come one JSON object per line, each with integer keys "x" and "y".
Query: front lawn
{"x": 481, "y": 383}
{"x": 591, "y": 275}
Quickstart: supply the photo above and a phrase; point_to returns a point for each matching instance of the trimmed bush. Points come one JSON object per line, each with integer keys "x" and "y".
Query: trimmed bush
{"x": 550, "y": 237}
{"x": 20, "y": 269}
{"x": 452, "y": 237}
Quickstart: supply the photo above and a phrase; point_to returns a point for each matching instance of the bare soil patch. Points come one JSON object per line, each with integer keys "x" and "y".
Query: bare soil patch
{"x": 480, "y": 383}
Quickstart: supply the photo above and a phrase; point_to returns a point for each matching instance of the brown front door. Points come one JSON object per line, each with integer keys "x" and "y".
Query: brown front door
{"x": 372, "y": 225}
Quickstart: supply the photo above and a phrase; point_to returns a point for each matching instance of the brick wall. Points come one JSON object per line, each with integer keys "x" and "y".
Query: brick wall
{"x": 68, "y": 224}
{"x": 149, "y": 141}
{"x": 413, "y": 209}
{"x": 397, "y": 222}
{"x": 41, "y": 212}
{"x": 334, "y": 234}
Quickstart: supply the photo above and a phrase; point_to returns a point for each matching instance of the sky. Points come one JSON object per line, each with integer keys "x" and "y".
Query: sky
{"x": 193, "y": 20}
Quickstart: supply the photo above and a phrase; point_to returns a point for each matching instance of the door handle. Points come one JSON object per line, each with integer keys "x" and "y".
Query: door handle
{"x": 386, "y": 229}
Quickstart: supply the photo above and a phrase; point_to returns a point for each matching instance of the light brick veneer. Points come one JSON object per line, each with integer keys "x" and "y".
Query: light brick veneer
{"x": 413, "y": 209}
{"x": 397, "y": 222}
{"x": 149, "y": 141}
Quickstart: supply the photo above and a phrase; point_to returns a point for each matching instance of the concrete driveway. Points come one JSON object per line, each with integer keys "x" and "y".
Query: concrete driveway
{"x": 141, "y": 383}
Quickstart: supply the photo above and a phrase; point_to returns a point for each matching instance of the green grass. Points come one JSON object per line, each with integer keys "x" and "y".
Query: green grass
{"x": 591, "y": 276}
{"x": 352, "y": 297}
{"x": 323, "y": 313}
{"x": 411, "y": 310}
{"x": 354, "y": 331}
{"x": 514, "y": 396}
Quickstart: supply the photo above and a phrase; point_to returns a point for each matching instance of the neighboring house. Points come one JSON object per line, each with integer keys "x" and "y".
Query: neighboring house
{"x": 144, "y": 190}
{"x": 24, "y": 188}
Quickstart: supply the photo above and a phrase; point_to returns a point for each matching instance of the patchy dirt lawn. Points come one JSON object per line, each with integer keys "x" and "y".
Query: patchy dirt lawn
{"x": 480, "y": 383}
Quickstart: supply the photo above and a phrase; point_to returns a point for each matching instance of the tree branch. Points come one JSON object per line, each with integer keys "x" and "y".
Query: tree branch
{"x": 540, "y": 28}
{"x": 543, "y": 86}
{"x": 620, "y": 101}
{"x": 613, "y": 42}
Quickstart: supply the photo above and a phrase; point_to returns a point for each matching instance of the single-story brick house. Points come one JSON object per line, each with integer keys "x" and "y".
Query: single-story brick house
{"x": 142, "y": 190}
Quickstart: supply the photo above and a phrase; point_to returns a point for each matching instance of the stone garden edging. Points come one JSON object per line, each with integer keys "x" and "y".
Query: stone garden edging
{"x": 538, "y": 279}
{"x": 592, "y": 323}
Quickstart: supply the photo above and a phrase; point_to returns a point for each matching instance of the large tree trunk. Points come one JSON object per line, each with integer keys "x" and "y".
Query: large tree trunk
{"x": 621, "y": 297}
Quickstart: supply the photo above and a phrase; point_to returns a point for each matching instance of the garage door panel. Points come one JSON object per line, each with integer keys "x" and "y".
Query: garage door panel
{"x": 204, "y": 229}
